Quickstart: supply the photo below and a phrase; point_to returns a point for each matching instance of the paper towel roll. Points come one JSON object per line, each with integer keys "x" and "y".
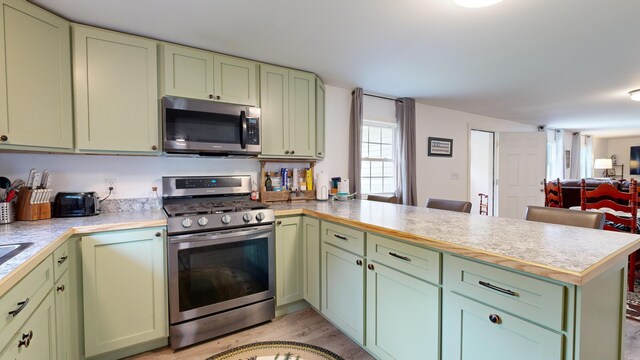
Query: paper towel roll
{"x": 322, "y": 186}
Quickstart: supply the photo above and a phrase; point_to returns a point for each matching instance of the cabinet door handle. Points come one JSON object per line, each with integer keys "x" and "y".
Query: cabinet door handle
{"x": 497, "y": 288}
{"x": 400, "y": 256}
{"x": 4, "y": 138}
{"x": 278, "y": 222}
{"x": 154, "y": 147}
{"x": 158, "y": 234}
{"x": 210, "y": 96}
{"x": 218, "y": 97}
{"x": 370, "y": 267}
{"x": 341, "y": 237}
{"x": 21, "y": 306}
{"x": 60, "y": 288}
{"x": 26, "y": 340}
{"x": 359, "y": 262}
{"x": 293, "y": 152}
{"x": 494, "y": 318}
{"x": 62, "y": 259}
{"x": 286, "y": 152}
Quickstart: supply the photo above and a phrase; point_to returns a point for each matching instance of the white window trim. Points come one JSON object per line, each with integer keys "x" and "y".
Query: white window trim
{"x": 393, "y": 159}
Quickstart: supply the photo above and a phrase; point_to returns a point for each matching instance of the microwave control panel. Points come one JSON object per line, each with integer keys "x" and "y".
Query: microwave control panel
{"x": 253, "y": 131}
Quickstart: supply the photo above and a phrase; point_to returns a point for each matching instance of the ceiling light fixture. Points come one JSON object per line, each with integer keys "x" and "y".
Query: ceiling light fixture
{"x": 635, "y": 95}
{"x": 476, "y": 3}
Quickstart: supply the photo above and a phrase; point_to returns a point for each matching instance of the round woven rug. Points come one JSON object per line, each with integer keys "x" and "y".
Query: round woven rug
{"x": 276, "y": 350}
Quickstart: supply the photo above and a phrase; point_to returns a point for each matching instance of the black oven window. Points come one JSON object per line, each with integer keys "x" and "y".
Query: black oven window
{"x": 217, "y": 273}
{"x": 202, "y": 127}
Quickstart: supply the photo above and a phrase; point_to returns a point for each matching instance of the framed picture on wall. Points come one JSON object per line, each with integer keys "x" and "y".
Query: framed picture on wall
{"x": 439, "y": 147}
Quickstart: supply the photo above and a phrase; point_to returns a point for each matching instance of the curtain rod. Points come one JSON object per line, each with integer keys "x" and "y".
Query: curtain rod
{"x": 378, "y": 96}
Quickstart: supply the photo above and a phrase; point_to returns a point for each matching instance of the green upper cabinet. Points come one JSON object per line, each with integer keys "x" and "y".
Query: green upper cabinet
{"x": 124, "y": 289}
{"x": 35, "y": 79}
{"x": 199, "y": 74}
{"x": 116, "y": 101}
{"x": 288, "y": 260}
{"x": 288, "y": 102}
{"x": 320, "y": 118}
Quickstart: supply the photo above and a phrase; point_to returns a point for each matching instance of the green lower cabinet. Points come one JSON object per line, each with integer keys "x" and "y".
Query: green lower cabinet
{"x": 37, "y": 337}
{"x": 403, "y": 315}
{"x": 311, "y": 261}
{"x": 124, "y": 289}
{"x": 288, "y": 260}
{"x": 62, "y": 292}
{"x": 474, "y": 331}
{"x": 343, "y": 290}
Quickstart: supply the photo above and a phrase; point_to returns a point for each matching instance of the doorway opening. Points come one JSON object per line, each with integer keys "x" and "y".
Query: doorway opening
{"x": 482, "y": 169}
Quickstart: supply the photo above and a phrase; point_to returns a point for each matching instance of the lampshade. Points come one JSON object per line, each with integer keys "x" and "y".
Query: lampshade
{"x": 635, "y": 95}
{"x": 476, "y": 3}
{"x": 603, "y": 164}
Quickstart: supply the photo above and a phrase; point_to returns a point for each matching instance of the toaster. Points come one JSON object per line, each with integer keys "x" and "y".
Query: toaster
{"x": 70, "y": 204}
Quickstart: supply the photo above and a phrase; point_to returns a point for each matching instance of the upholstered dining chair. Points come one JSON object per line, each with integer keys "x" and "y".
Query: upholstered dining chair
{"x": 586, "y": 219}
{"x": 451, "y": 205}
{"x": 553, "y": 193}
{"x": 383, "y": 198}
{"x": 621, "y": 213}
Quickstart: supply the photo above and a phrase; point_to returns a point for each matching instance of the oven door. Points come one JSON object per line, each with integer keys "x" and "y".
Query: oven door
{"x": 218, "y": 271}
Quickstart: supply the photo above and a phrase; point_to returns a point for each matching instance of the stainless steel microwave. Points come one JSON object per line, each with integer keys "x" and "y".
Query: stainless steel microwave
{"x": 205, "y": 127}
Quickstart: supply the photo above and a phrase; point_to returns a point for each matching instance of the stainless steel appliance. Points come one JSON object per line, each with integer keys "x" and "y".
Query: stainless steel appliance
{"x": 204, "y": 127}
{"x": 221, "y": 257}
{"x": 70, "y": 204}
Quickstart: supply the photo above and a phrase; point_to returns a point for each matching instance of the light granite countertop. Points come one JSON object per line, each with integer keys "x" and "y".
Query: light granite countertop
{"x": 47, "y": 235}
{"x": 570, "y": 254}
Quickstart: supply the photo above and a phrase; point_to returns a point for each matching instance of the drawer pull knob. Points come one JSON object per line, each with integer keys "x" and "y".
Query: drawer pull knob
{"x": 494, "y": 318}
{"x": 400, "y": 256}
{"x": 21, "y": 306}
{"x": 359, "y": 262}
{"x": 62, "y": 259}
{"x": 370, "y": 267}
{"x": 278, "y": 222}
{"x": 341, "y": 237}
{"x": 26, "y": 340}
{"x": 158, "y": 234}
{"x": 497, "y": 288}
{"x": 60, "y": 288}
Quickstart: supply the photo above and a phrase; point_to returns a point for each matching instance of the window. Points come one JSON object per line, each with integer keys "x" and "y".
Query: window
{"x": 378, "y": 158}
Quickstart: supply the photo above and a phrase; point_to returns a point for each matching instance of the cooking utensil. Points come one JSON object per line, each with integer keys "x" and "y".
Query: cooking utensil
{"x": 37, "y": 179}
{"x": 48, "y": 180}
{"x": 18, "y": 183}
{"x": 11, "y": 195}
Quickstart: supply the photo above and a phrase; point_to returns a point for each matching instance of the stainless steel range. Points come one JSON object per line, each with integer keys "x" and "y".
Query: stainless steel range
{"x": 221, "y": 257}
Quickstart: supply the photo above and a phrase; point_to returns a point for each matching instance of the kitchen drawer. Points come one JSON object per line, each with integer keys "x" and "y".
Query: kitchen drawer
{"x": 413, "y": 260}
{"x": 343, "y": 237}
{"x": 61, "y": 260}
{"x": 33, "y": 288}
{"x": 537, "y": 300}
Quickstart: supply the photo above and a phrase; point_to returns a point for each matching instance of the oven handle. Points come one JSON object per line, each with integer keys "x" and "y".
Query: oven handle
{"x": 243, "y": 123}
{"x": 220, "y": 235}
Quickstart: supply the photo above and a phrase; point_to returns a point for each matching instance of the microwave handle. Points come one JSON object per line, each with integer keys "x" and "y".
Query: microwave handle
{"x": 243, "y": 123}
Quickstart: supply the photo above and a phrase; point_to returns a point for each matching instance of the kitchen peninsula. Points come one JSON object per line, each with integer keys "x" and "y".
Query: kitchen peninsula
{"x": 462, "y": 286}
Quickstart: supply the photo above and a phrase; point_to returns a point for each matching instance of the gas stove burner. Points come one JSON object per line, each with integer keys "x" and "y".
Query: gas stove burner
{"x": 211, "y": 207}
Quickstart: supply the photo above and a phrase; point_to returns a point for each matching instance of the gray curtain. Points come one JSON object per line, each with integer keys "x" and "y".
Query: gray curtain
{"x": 574, "y": 170}
{"x": 406, "y": 117}
{"x": 355, "y": 141}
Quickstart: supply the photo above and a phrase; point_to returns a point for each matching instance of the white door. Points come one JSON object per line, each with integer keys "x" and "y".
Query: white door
{"x": 521, "y": 168}
{"x": 481, "y": 169}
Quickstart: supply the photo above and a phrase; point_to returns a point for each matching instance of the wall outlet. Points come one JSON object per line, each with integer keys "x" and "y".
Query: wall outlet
{"x": 110, "y": 183}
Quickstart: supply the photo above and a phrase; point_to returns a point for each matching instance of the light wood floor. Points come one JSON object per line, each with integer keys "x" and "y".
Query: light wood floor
{"x": 304, "y": 326}
{"x": 309, "y": 327}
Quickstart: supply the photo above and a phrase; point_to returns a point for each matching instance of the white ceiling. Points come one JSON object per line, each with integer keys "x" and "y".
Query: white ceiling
{"x": 563, "y": 63}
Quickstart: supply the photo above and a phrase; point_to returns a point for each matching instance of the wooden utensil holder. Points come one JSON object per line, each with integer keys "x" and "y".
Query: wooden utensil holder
{"x": 30, "y": 212}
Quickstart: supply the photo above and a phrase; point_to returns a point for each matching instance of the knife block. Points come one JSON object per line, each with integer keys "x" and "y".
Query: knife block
{"x": 30, "y": 212}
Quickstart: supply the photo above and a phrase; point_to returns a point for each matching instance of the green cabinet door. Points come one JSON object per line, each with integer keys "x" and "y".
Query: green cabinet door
{"x": 471, "y": 330}
{"x": 186, "y": 72}
{"x": 403, "y": 315}
{"x": 116, "y": 92}
{"x": 343, "y": 290}
{"x": 302, "y": 114}
{"x": 274, "y": 102}
{"x": 236, "y": 80}
{"x": 124, "y": 289}
{"x": 320, "y": 119}
{"x": 311, "y": 261}
{"x": 40, "y": 332}
{"x": 35, "y": 78}
{"x": 288, "y": 260}
{"x": 63, "y": 316}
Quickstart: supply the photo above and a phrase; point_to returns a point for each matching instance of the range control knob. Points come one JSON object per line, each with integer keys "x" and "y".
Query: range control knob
{"x": 226, "y": 219}
{"x": 246, "y": 217}
{"x": 259, "y": 216}
{"x": 203, "y": 221}
{"x": 187, "y": 222}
